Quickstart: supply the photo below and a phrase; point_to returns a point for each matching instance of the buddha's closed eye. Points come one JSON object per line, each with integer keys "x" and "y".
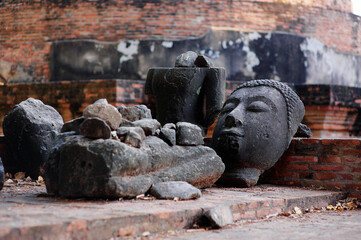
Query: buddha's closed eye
{"x": 258, "y": 106}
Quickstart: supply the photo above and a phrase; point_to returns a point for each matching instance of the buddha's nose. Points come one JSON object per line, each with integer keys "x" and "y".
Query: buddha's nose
{"x": 234, "y": 119}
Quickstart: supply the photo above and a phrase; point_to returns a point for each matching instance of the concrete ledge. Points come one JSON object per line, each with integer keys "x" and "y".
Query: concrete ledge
{"x": 28, "y": 215}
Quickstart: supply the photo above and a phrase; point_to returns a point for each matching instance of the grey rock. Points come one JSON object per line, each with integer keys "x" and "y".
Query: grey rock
{"x": 189, "y": 134}
{"x": 220, "y": 216}
{"x": 168, "y": 135}
{"x": 133, "y": 139}
{"x": 101, "y": 101}
{"x": 203, "y": 61}
{"x": 95, "y": 128}
{"x": 73, "y": 125}
{"x": 170, "y": 126}
{"x": 105, "y": 111}
{"x": 2, "y": 175}
{"x": 148, "y": 125}
{"x": 112, "y": 169}
{"x": 135, "y": 113}
{"x": 175, "y": 189}
{"x": 27, "y": 129}
{"x": 303, "y": 131}
{"x": 122, "y": 132}
{"x": 186, "y": 59}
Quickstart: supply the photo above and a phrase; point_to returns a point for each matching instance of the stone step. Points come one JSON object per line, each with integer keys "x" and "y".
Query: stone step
{"x": 27, "y": 214}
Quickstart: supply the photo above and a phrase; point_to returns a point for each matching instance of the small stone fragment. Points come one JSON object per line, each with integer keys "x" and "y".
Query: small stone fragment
{"x": 101, "y": 109}
{"x": 168, "y": 136}
{"x": 189, "y": 134}
{"x": 303, "y": 131}
{"x": 149, "y": 125}
{"x": 203, "y": 61}
{"x": 170, "y": 126}
{"x": 72, "y": 125}
{"x": 219, "y": 216}
{"x": 135, "y": 113}
{"x": 133, "y": 139}
{"x": 175, "y": 189}
{"x": 19, "y": 175}
{"x": 186, "y": 59}
{"x": 2, "y": 175}
{"x": 124, "y": 131}
{"x": 95, "y": 128}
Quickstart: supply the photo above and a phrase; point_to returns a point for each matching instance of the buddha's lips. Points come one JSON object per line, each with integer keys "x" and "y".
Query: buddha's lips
{"x": 230, "y": 132}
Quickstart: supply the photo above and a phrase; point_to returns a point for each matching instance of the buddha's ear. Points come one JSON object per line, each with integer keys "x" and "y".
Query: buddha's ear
{"x": 303, "y": 131}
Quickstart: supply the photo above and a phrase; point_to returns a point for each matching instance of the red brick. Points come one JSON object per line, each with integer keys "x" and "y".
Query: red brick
{"x": 328, "y": 167}
{"x": 250, "y": 214}
{"x": 354, "y": 186}
{"x": 341, "y": 142}
{"x": 346, "y": 176}
{"x": 324, "y": 176}
{"x": 266, "y": 212}
{"x": 301, "y": 159}
{"x": 296, "y": 167}
{"x": 330, "y": 159}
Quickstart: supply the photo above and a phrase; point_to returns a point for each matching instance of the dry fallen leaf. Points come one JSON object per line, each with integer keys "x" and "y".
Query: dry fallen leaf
{"x": 298, "y": 210}
{"x": 19, "y": 175}
{"x": 40, "y": 180}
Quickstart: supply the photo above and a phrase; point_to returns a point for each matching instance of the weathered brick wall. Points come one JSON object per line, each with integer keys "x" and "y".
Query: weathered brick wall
{"x": 326, "y": 163}
{"x": 70, "y": 98}
{"x": 28, "y": 28}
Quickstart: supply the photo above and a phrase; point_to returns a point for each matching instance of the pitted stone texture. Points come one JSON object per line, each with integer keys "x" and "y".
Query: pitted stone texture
{"x": 105, "y": 111}
{"x": 148, "y": 125}
{"x": 220, "y": 216}
{"x": 186, "y": 59}
{"x": 112, "y": 169}
{"x": 73, "y": 125}
{"x": 168, "y": 136}
{"x": 133, "y": 139}
{"x": 203, "y": 61}
{"x": 95, "y": 128}
{"x": 189, "y": 134}
{"x": 27, "y": 129}
{"x": 2, "y": 174}
{"x": 175, "y": 189}
{"x": 135, "y": 113}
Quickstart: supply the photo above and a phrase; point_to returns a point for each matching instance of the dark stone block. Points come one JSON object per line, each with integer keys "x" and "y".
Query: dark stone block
{"x": 135, "y": 113}
{"x": 73, "y": 125}
{"x": 2, "y": 175}
{"x": 189, "y": 134}
{"x": 168, "y": 136}
{"x": 28, "y": 133}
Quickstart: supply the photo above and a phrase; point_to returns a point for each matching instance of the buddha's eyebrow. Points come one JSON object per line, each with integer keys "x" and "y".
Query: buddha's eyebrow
{"x": 232, "y": 100}
{"x": 264, "y": 99}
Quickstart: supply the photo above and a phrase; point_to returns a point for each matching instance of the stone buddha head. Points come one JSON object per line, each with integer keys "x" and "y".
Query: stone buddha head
{"x": 255, "y": 126}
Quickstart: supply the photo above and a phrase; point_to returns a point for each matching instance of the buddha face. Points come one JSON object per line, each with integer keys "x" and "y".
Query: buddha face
{"x": 252, "y": 128}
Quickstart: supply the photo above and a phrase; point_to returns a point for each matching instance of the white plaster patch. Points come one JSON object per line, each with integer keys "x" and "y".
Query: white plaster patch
{"x": 254, "y": 36}
{"x": 251, "y": 60}
{"x": 224, "y": 44}
{"x": 268, "y": 36}
{"x": 167, "y": 44}
{"x": 326, "y": 66}
{"x": 128, "y": 49}
{"x": 152, "y": 47}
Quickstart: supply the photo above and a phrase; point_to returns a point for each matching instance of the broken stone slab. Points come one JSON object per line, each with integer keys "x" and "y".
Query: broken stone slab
{"x": 186, "y": 59}
{"x": 135, "y": 113}
{"x": 112, "y": 169}
{"x": 220, "y": 216}
{"x": 105, "y": 111}
{"x": 189, "y": 134}
{"x": 148, "y": 125}
{"x": 2, "y": 175}
{"x": 175, "y": 189}
{"x": 95, "y": 128}
{"x": 27, "y": 129}
{"x": 73, "y": 125}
